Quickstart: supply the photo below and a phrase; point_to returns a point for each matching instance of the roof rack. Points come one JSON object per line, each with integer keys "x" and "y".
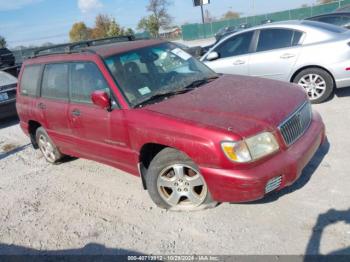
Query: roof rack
{"x": 78, "y": 47}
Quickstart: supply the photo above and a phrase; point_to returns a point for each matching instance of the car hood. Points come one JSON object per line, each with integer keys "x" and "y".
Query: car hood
{"x": 243, "y": 105}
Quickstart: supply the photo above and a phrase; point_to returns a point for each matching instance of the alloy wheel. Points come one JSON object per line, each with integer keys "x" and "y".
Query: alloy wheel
{"x": 314, "y": 85}
{"x": 47, "y": 148}
{"x": 181, "y": 185}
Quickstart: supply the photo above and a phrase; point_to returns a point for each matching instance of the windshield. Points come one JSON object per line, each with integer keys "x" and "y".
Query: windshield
{"x": 146, "y": 72}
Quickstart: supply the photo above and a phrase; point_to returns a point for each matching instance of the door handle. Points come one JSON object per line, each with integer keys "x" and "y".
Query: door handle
{"x": 76, "y": 112}
{"x": 41, "y": 105}
{"x": 287, "y": 56}
{"x": 239, "y": 62}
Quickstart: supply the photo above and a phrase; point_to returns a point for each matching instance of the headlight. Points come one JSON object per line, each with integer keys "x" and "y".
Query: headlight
{"x": 251, "y": 149}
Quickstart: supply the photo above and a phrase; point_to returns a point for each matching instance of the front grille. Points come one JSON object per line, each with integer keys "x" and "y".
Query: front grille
{"x": 273, "y": 184}
{"x": 296, "y": 125}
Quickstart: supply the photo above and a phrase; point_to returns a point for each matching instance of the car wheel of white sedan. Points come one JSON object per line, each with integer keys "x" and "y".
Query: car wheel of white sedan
{"x": 318, "y": 84}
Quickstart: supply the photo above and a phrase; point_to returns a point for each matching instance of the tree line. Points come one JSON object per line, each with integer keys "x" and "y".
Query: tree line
{"x": 105, "y": 26}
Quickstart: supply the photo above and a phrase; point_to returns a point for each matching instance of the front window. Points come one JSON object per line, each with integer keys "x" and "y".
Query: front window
{"x": 145, "y": 73}
{"x": 85, "y": 78}
{"x": 236, "y": 45}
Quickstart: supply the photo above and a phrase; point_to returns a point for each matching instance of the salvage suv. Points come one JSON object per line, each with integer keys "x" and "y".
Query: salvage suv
{"x": 194, "y": 137}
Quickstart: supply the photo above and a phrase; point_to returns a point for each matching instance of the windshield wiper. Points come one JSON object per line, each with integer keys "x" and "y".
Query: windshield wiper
{"x": 200, "y": 82}
{"x": 162, "y": 94}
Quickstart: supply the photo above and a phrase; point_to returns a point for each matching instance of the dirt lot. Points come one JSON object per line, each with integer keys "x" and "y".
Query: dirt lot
{"x": 86, "y": 207}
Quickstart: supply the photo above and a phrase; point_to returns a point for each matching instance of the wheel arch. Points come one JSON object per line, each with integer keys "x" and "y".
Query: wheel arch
{"x": 312, "y": 66}
{"x": 147, "y": 153}
{"x": 32, "y": 127}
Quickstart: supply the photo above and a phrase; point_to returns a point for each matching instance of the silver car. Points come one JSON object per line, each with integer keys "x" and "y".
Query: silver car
{"x": 312, "y": 54}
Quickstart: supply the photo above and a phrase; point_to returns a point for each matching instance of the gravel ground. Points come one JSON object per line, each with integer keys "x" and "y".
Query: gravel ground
{"x": 85, "y": 207}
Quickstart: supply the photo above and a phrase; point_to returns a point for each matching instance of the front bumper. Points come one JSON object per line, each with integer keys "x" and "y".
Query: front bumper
{"x": 250, "y": 184}
{"x": 8, "y": 109}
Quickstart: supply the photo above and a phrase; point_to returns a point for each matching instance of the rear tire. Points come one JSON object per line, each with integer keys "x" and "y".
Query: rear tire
{"x": 174, "y": 182}
{"x": 317, "y": 83}
{"x": 47, "y": 147}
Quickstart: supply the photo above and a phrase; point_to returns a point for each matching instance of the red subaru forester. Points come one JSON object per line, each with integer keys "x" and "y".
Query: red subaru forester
{"x": 194, "y": 137}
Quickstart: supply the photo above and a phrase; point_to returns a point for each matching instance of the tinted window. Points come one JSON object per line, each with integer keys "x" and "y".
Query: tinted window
{"x": 325, "y": 26}
{"x": 55, "y": 81}
{"x": 270, "y": 39}
{"x": 334, "y": 20}
{"x": 296, "y": 38}
{"x": 236, "y": 45}
{"x": 30, "y": 80}
{"x": 85, "y": 79}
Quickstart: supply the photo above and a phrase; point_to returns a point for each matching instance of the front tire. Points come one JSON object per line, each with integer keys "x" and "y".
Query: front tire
{"x": 47, "y": 147}
{"x": 174, "y": 182}
{"x": 317, "y": 83}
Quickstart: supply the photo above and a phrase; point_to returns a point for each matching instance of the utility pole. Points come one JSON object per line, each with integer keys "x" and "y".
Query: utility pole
{"x": 203, "y": 21}
{"x": 253, "y": 7}
{"x": 201, "y": 3}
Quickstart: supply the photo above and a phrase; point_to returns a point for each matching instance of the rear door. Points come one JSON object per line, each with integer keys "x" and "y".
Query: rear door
{"x": 53, "y": 103}
{"x": 277, "y": 51}
{"x": 234, "y": 55}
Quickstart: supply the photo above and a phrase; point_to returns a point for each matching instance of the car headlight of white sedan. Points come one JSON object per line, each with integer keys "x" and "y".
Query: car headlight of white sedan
{"x": 250, "y": 149}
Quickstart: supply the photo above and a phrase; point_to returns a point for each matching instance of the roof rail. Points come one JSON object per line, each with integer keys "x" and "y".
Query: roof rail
{"x": 77, "y": 47}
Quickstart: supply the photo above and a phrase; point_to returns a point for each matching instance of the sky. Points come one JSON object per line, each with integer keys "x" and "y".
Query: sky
{"x": 33, "y": 22}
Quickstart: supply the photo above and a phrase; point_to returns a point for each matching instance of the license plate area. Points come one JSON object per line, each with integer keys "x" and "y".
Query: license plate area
{"x": 4, "y": 96}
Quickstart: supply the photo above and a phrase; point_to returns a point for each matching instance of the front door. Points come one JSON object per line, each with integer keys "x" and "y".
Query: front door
{"x": 233, "y": 54}
{"x": 99, "y": 134}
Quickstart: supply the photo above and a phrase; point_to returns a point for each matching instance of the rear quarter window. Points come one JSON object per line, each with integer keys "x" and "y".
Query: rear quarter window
{"x": 30, "y": 80}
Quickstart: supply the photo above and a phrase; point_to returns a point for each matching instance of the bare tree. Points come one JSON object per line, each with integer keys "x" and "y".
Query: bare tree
{"x": 3, "y": 42}
{"x": 208, "y": 18}
{"x": 159, "y": 17}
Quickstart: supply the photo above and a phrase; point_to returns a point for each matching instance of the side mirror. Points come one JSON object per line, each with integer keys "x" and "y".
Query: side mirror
{"x": 213, "y": 56}
{"x": 101, "y": 99}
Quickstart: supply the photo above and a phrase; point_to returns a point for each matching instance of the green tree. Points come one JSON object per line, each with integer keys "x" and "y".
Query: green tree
{"x": 79, "y": 32}
{"x": 159, "y": 17}
{"x": 129, "y": 31}
{"x": 230, "y": 15}
{"x": 114, "y": 29}
{"x": 149, "y": 24}
{"x": 3, "y": 42}
{"x": 102, "y": 26}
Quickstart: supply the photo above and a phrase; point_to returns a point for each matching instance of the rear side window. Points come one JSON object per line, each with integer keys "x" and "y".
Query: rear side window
{"x": 85, "y": 79}
{"x": 55, "y": 81}
{"x": 30, "y": 80}
{"x": 271, "y": 39}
